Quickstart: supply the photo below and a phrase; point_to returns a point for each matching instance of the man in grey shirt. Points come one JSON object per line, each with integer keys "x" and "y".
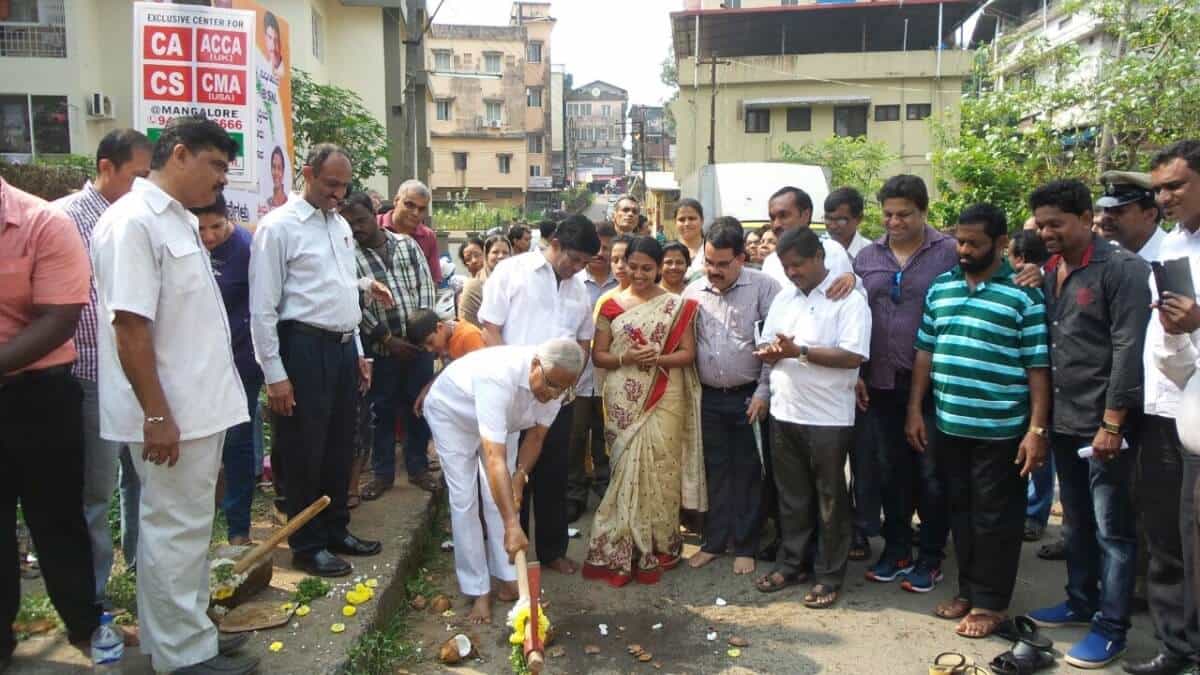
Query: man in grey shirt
{"x": 732, "y": 298}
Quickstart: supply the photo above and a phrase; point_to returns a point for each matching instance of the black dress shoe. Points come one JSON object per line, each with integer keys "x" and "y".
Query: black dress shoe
{"x": 1161, "y": 664}
{"x": 352, "y": 545}
{"x": 322, "y": 564}
{"x": 228, "y": 643}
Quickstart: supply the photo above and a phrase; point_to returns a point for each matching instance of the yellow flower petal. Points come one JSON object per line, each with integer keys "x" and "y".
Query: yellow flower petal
{"x": 338, "y": 627}
{"x": 276, "y": 646}
{"x": 222, "y": 592}
{"x": 361, "y": 588}
{"x": 303, "y": 610}
{"x": 734, "y": 652}
{"x": 349, "y": 610}
{"x": 372, "y": 583}
{"x": 287, "y": 606}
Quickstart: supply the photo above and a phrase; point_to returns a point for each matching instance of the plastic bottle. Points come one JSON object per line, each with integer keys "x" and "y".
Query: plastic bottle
{"x": 108, "y": 646}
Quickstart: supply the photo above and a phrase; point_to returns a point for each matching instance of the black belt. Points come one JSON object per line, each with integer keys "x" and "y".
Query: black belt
{"x": 747, "y": 388}
{"x": 332, "y": 336}
{"x": 30, "y": 375}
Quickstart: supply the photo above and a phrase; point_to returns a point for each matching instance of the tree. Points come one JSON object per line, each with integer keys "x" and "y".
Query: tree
{"x": 852, "y": 162}
{"x": 1079, "y": 118}
{"x": 323, "y": 113}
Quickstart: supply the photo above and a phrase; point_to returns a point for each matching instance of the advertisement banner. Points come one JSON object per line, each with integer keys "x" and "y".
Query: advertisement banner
{"x": 190, "y": 60}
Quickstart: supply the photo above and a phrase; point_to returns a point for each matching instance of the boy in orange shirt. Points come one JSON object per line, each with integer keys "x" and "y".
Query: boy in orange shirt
{"x": 449, "y": 340}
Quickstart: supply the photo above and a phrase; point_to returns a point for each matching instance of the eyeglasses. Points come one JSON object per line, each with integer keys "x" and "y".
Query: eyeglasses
{"x": 840, "y": 221}
{"x": 556, "y": 389}
{"x": 895, "y": 290}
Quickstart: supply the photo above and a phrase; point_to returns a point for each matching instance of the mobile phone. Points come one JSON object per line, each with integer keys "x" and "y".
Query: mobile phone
{"x": 758, "y": 335}
{"x": 1174, "y": 276}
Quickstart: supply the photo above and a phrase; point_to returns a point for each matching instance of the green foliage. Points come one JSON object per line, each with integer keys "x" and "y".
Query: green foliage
{"x": 463, "y": 215}
{"x": 46, "y": 180}
{"x": 309, "y": 589}
{"x": 35, "y": 608}
{"x": 516, "y": 659}
{"x": 853, "y": 162}
{"x": 122, "y": 593}
{"x": 323, "y": 113}
{"x": 84, "y": 163}
{"x": 1075, "y": 119}
{"x": 382, "y": 649}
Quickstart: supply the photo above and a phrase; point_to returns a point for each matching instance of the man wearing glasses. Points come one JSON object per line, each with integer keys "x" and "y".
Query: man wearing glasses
{"x": 472, "y": 408}
{"x": 527, "y": 300}
{"x": 843, "y": 214}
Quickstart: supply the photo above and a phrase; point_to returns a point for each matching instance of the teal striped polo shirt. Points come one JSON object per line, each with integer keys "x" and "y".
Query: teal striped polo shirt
{"x": 982, "y": 342}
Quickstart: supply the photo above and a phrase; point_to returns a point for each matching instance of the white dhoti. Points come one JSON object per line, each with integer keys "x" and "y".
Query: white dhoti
{"x": 175, "y": 527}
{"x": 459, "y": 450}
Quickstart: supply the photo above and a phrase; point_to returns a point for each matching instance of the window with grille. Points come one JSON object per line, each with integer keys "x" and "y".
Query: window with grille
{"x": 534, "y": 52}
{"x": 535, "y": 170}
{"x": 918, "y": 111}
{"x": 887, "y": 113}
{"x": 758, "y": 121}
{"x": 492, "y": 112}
{"x": 317, "y": 39}
{"x": 443, "y": 111}
{"x": 505, "y": 163}
{"x": 535, "y": 144}
{"x": 799, "y": 119}
{"x": 33, "y": 28}
{"x": 491, "y": 62}
{"x": 533, "y": 97}
{"x": 34, "y": 125}
{"x": 460, "y": 161}
{"x": 850, "y": 120}
{"x": 443, "y": 60}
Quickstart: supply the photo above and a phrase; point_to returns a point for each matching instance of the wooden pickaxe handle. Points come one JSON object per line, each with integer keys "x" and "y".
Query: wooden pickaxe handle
{"x": 296, "y": 522}
{"x": 534, "y": 660}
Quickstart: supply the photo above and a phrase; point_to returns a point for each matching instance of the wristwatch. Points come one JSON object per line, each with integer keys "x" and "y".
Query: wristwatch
{"x": 803, "y": 354}
{"x": 1039, "y": 431}
{"x": 1111, "y": 427}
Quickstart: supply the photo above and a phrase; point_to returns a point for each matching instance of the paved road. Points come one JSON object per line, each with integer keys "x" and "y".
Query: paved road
{"x": 875, "y": 628}
{"x": 597, "y": 211}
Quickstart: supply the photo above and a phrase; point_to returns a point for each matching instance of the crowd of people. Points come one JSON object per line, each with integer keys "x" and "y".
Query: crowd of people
{"x": 786, "y": 397}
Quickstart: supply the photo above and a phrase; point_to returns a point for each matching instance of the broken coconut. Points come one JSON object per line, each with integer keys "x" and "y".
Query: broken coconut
{"x": 736, "y": 641}
{"x": 455, "y": 649}
{"x": 418, "y": 602}
{"x": 591, "y": 650}
{"x": 440, "y": 604}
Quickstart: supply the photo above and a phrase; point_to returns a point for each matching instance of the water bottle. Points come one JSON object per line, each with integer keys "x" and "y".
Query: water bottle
{"x": 108, "y": 646}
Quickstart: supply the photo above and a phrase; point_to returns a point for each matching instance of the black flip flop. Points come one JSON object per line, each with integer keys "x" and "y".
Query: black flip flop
{"x": 1023, "y": 629}
{"x": 1022, "y": 659}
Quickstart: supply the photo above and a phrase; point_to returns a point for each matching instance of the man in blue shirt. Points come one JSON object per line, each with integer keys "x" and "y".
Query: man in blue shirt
{"x": 229, "y": 250}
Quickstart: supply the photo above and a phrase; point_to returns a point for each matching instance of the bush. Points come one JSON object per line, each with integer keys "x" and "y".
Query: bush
{"x": 48, "y": 181}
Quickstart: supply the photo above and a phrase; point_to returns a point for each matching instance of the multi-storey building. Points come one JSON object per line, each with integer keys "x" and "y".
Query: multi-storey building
{"x": 596, "y": 131}
{"x": 801, "y": 71}
{"x": 58, "y": 57}
{"x": 489, "y": 117}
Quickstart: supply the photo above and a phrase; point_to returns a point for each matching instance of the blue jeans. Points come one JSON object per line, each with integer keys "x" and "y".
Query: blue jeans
{"x": 395, "y": 385}
{"x": 864, "y": 477}
{"x": 911, "y": 481}
{"x": 1100, "y": 532}
{"x": 237, "y": 458}
{"x": 1040, "y": 493}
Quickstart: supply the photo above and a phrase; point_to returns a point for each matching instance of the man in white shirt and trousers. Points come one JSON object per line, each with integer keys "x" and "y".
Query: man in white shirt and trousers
{"x": 304, "y": 316}
{"x": 168, "y": 386}
{"x": 472, "y": 408}
{"x": 528, "y": 299}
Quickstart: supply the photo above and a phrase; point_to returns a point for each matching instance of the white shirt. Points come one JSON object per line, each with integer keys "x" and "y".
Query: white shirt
{"x": 301, "y": 269}
{"x": 837, "y": 261}
{"x": 487, "y": 392}
{"x": 523, "y": 296}
{"x": 1179, "y": 359}
{"x": 149, "y": 260}
{"x": 805, "y": 393}
{"x": 857, "y": 244}
{"x": 1162, "y": 396}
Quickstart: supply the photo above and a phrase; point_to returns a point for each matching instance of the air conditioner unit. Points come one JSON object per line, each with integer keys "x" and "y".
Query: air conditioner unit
{"x": 100, "y": 106}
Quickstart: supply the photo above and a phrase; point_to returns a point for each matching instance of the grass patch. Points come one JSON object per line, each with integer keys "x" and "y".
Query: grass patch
{"x": 122, "y": 593}
{"x": 309, "y": 589}
{"x": 36, "y": 615}
{"x": 389, "y": 645}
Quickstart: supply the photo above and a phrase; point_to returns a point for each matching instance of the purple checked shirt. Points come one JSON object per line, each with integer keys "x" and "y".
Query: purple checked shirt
{"x": 896, "y": 315}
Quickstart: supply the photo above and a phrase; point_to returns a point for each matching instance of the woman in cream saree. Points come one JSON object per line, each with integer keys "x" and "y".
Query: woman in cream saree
{"x": 644, "y": 338}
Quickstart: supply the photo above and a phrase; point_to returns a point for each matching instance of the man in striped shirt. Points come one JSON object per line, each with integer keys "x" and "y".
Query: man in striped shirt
{"x": 982, "y": 345}
{"x": 123, "y": 154}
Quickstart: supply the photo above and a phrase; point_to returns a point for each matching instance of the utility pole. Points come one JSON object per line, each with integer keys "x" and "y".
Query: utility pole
{"x": 712, "y": 107}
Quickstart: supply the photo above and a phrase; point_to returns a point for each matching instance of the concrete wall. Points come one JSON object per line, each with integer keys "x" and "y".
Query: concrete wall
{"x": 483, "y": 167}
{"x": 883, "y": 78}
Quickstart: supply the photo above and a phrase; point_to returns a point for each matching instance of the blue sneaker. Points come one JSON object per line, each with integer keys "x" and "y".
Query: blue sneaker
{"x": 1095, "y": 651}
{"x": 922, "y": 578}
{"x": 886, "y": 570}
{"x": 1059, "y": 615}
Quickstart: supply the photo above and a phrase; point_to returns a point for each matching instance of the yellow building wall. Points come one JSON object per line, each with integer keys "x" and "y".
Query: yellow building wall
{"x": 483, "y": 167}
{"x": 884, "y": 78}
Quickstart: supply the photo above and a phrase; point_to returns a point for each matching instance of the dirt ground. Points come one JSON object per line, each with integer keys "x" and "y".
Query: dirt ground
{"x": 875, "y": 628}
